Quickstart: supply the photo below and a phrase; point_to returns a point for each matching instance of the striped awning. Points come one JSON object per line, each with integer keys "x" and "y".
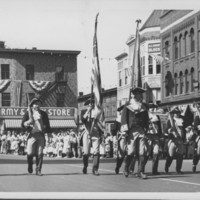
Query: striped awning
{"x": 13, "y": 123}
{"x": 62, "y": 123}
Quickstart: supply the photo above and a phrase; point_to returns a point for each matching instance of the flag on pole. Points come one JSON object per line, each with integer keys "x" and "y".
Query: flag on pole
{"x": 96, "y": 80}
{"x": 159, "y": 59}
{"x": 136, "y": 80}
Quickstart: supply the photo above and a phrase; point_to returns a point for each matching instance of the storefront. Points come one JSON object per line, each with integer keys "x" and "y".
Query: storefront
{"x": 60, "y": 118}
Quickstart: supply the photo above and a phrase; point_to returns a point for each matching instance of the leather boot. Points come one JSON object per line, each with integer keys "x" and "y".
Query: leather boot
{"x": 195, "y": 162}
{"x": 127, "y": 162}
{"x": 155, "y": 161}
{"x": 141, "y": 167}
{"x": 179, "y": 162}
{"x": 39, "y": 161}
{"x": 95, "y": 165}
{"x": 85, "y": 164}
{"x": 168, "y": 163}
{"x": 30, "y": 164}
{"x": 132, "y": 164}
{"x": 119, "y": 162}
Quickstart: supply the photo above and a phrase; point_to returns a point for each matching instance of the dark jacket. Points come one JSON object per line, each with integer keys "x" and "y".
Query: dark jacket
{"x": 45, "y": 120}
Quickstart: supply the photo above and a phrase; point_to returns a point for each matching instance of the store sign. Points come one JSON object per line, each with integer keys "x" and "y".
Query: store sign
{"x": 154, "y": 47}
{"x": 52, "y": 112}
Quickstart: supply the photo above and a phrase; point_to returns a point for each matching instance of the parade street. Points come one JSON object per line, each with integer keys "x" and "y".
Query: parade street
{"x": 65, "y": 175}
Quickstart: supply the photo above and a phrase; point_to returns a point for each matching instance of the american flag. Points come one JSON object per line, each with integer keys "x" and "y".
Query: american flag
{"x": 96, "y": 80}
{"x": 159, "y": 59}
{"x": 136, "y": 80}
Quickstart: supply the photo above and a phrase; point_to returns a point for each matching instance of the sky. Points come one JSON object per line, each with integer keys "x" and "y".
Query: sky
{"x": 69, "y": 25}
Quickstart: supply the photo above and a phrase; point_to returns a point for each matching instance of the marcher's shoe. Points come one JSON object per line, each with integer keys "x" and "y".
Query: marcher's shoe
{"x": 194, "y": 168}
{"x": 84, "y": 170}
{"x": 142, "y": 175}
{"x": 166, "y": 170}
{"x": 95, "y": 172}
{"x": 30, "y": 169}
{"x": 117, "y": 170}
{"x": 38, "y": 173}
{"x": 179, "y": 172}
{"x": 155, "y": 173}
{"x": 126, "y": 174}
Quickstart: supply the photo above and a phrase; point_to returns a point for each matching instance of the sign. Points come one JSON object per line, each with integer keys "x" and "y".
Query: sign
{"x": 63, "y": 112}
{"x": 154, "y": 47}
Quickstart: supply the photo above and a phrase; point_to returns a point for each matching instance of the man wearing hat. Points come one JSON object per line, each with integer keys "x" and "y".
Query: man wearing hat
{"x": 134, "y": 122}
{"x": 36, "y": 121}
{"x": 154, "y": 134}
{"x": 175, "y": 132}
{"x": 91, "y": 136}
{"x": 121, "y": 140}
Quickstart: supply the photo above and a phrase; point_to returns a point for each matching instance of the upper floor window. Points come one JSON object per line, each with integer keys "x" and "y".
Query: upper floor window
{"x": 30, "y": 72}
{"x": 192, "y": 40}
{"x": 180, "y": 46}
{"x": 186, "y": 82}
{"x": 166, "y": 47}
{"x": 175, "y": 48}
{"x": 60, "y": 100}
{"x": 120, "y": 78}
{"x": 181, "y": 83}
{"x": 176, "y": 84}
{"x": 6, "y": 100}
{"x": 187, "y": 43}
{"x": 158, "y": 67}
{"x": 59, "y": 73}
{"x": 113, "y": 110}
{"x": 192, "y": 79}
{"x": 126, "y": 76}
{"x": 5, "y": 71}
{"x": 150, "y": 65}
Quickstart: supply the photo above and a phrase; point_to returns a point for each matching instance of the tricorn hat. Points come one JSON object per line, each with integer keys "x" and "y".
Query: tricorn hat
{"x": 88, "y": 101}
{"x": 138, "y": 90}
{"x": 34, "y": 100}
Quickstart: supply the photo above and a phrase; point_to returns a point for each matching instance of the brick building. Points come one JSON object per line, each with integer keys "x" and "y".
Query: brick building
{"x": 109, "y": 105}
{"x": 48, "y": 74}
{"x": 180, "y": 31}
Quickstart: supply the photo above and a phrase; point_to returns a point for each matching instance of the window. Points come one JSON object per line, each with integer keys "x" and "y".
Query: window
{"x": 59, "y": 73}
{"x": 181, "y": 83}
{"x": 186, "y": 82}
{"x": 113, "y": 110}
{"x": 192, "y": 79}
{"x": 120, "y": 78}
{"x": 150, "y": 65}
{"x": 143, "y": 65}
{"x": 167, "y": 49}
{"x": 176, "y": 84}
{"x": 186, "y": 43}
{"x": 6, "y": 99}
{"x": 192, "y": 40}
{"x": 60, "y": 99}
{"x": 29, "y": 72}
{"x": 175, "y": 48}
{"x": 107, "y": 113}
{"x": 158, "y": 67}
{"x": 180, "y": 46}
{"x": 5, "y": 71}
{"x": 126, "y": 76}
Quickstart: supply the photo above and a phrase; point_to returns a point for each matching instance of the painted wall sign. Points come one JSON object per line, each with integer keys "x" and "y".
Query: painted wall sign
{"x": 154, "y": 47}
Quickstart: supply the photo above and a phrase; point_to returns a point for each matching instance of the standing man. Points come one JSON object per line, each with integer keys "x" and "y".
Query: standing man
{"x": 135, "y": 122}
{"x": 37, "y": 123}
{"x": 175, "y": 132}
{"x": 153, "y": 135}
{"x": 91, "y": 136}
{"x": 121, "y": 140}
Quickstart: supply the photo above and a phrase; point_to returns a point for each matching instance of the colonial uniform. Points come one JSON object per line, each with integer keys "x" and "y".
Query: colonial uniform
{"x": 91, "y": 136}
{"x": 121, "y": 139}
{"x": 153, "y": 135}
{"x": 134, "y": 122}
{"x": 36, "y": 138}
{"x": 175, "y": 132}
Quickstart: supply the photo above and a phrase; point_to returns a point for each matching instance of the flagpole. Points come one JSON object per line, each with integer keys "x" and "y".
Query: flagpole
{"x": 134, "y": 59}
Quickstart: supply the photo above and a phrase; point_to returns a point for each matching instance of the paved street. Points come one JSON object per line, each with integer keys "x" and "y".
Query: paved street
{"x": 65, "y": 175}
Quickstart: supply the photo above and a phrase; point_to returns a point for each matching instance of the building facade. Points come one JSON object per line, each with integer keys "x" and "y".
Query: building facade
{"x": 48, "y": 74}
{"x": 109, "y": 105}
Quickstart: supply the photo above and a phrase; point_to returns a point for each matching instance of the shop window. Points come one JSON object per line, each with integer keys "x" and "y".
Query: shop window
{"x": 60, "y": 100}
{"x": 59, "y": 73}
{"x": 6, "y": 99}
{"x": 5, "y": 71}
{"x": 30, "y": 72}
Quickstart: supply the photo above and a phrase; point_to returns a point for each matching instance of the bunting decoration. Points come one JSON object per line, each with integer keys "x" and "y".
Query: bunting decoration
{"x": 96, "y": 81}
{"x": 4, "y": 84}
{"x": 39, "y": 85}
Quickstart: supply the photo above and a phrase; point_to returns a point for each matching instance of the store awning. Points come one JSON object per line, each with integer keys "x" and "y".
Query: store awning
{"x": 13, "y": 123}
{"x": 62, "y": 123}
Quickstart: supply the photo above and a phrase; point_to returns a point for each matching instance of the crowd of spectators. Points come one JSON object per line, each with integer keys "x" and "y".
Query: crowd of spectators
{"x": 63, "y": 143}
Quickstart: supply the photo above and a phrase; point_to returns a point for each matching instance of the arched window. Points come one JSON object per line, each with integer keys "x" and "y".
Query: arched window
{"x": 192, "y": 40}
{"x": 192, "y": 79}
{"x": 186, "y": 82}
{"x": 175, "y": 84}
{"x": 186, "y": 43}
{"x": 180, "y": 46}
{"x": 176, "y": 48}
{"x": 166, "y": 86}
{"x": 150, "y": 65}
{"x": 181, "y": 82}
